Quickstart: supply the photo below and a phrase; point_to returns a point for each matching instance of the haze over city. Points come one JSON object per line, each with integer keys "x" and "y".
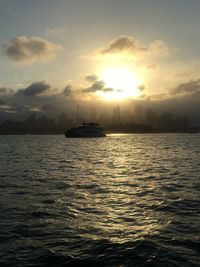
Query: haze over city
{"x": 56, "y": 55}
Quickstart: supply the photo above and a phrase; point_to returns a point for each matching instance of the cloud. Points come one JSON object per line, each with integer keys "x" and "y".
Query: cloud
{"x": 40, "y": 97}
{"x": 35, "y": 109}
{"x": 20, "y": 107}
{"x": 67, "y": 91}
{"x": 5, "y": 107}
{"x": 124, "y": 43}
{"x": 5, "y": 90}
{"x": 189, "y": 88}
{"x": 97, "y": 86}
{"x": 141, "y": 87}
{"x": 91, "y": 78}
{"x": 25, "y": 50}
{"x": 36, "y": 88}
{"x": 128, "y": 46}
{"x": 107, "y": 90}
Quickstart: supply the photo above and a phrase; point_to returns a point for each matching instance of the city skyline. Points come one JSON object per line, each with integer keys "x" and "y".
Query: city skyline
{"x": 115, "y": 120}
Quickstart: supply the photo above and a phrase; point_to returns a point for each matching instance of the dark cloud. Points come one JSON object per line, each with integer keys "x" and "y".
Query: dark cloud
{"x": 132, "y": 47}
{"x": 141, "y": 87}
{"x": 2, "y": 102}
{"x": 36, "y": 88}
{"x": 67, "y": 90}
{"x": 189, "y": 88}
{"x": 121, "y": 44}
{"x": 5, "y": 91}
{"x": 97, "y": 86}
{"x": 107, "y": 90}
{"x": 28, "y": 50}
{"x": 38, "y": 97}
{"x": 91, "y": 78}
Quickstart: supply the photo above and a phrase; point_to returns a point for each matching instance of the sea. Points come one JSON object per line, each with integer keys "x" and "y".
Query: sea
{"x": 122, "y": 200}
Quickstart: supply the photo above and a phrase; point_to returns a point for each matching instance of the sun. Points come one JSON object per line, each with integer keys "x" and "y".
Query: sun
{"x": 122, "y": 83}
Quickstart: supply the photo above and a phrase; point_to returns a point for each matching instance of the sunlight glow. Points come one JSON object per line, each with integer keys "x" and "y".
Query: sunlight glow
{"x": 122, "y": 81}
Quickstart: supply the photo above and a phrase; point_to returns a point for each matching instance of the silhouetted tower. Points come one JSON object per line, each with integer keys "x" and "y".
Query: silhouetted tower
{"x": 116, "y": 117}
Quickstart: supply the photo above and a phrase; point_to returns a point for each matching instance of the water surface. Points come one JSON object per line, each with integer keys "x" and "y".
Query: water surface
{"x": 124, "y": 200}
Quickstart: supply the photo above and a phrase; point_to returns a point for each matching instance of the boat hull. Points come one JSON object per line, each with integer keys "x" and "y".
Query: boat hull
{"x": 86, "y": 131}
{"x": 67, "y": 135}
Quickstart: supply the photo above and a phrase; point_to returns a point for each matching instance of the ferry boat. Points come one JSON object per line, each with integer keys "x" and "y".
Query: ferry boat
{"x": 86, "y": 130}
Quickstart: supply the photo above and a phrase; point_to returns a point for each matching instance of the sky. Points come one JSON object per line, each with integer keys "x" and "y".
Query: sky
{"x": 55, "y": 53}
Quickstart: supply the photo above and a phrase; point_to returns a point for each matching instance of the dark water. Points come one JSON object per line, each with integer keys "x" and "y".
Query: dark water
{"x": 129, "y": 200}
